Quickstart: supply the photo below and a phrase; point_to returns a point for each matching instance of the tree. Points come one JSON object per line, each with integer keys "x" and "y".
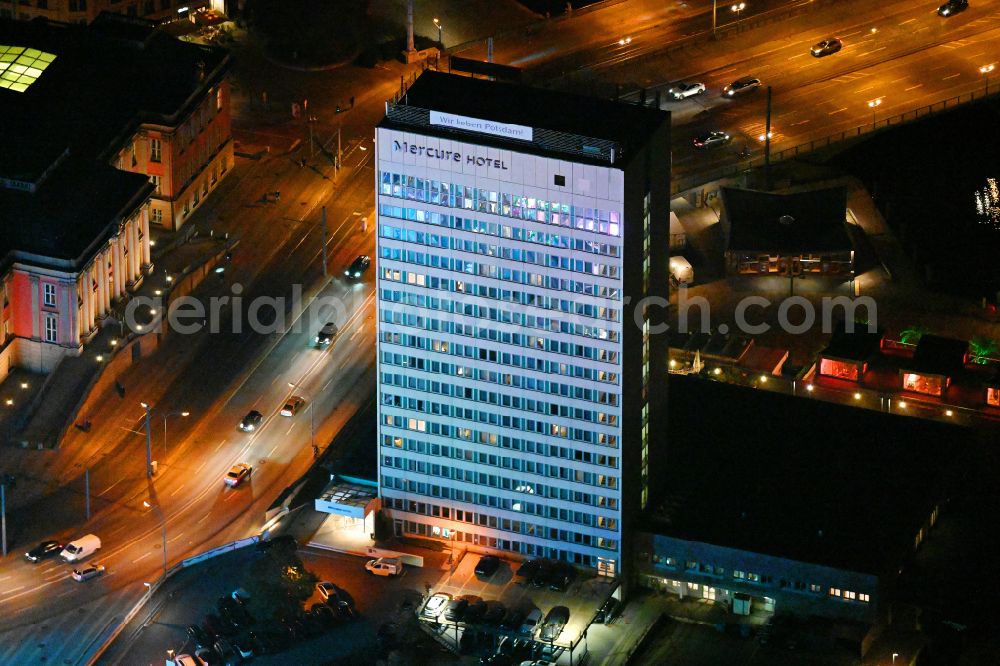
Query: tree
{"x": 278, "y": 583}
{"x": 911, "y": 334}
{"x": 983, "y": 349}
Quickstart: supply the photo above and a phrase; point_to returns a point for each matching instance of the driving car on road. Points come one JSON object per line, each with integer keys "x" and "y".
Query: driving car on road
{"x": 293, "y": 405}
{"x": 358, "y": 266}
{"x": 326, "y": 334}
{"x": 741, "y": 86}
{"x": 826, "y": 47}
{"x": 237, "y": 474}
{"x": 711, "y": 140}
{"x": 43, "y": 551}
{"x": 88, "y": 572}
{"x": 251, "y": 421}
{"x": 81, "y": 548}
{"x": 685, "y": 90}
{"x": 435, "y": 604}
{"x": 953, "y": 7}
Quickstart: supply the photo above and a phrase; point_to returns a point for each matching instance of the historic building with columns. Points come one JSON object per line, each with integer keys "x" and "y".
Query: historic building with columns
{"x": 108, "y": 129}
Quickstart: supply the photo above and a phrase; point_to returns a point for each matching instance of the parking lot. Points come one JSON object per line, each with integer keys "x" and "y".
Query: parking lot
{"x": 583, "y": 597}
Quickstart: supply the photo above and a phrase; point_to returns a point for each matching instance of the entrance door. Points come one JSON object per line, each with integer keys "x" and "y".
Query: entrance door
{"x": 605, "y": 567}
{"x": 397, "y": 526}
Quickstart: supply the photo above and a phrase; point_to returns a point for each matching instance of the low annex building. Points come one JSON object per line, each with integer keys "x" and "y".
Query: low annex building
{"x": 803, "y": 233}
{"x": 108, "y": 129}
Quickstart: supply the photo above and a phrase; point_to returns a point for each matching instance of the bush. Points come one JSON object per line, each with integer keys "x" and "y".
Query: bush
{"x": 278, "y": 583}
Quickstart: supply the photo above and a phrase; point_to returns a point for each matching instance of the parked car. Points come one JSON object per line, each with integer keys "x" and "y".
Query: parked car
{"x": 436, "y": 605}
{"x": 607, "y": 612}
{"x": 324, "y": 614}
{"x": 226, "y": 651}
{"x": 495, "y": 612}
{"x": 43, "y": 551}
{"x": 326, "y": 589}
{"x": 83, "y": 547}
{"x": 953, "y": 7}
{"x": 186, "y": 660}
{"x": 741, "y": 86}
{"x": 555, "y": 620}
{"x": 244, "y": 647}
{"x": 293, "y": 405}
{"x": 384, "y": 566}
{"x": 206, "y": 656}
{"x": 237, "y": 474}
{"x": 455, "y": 610}
{"x": 513, "y": 619}
{"x": 475, "y": 611}
{"x": 86, "y": 573}
{"x": 531, "y": 622}
{"x": 251, "y": 421}
{"x": 685, "y": 90}
{"x": 199, "y": 636}
{"x": 326, "y": 334}
{"x": 527, "y": 570}
{"x": 542, "y": 573}
{"x": 358, "y": 267}
{"x": 711, "y": 140}
{"x": 487, "y": 565}
{"x": 826, "y": 47}
{"x": 561, "y": 576}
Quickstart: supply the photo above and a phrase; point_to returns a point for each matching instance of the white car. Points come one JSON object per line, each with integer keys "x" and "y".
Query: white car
{"x": 435, "y": 605}
{"x": 384, "y": 566}
{"x": 86, "y": 573}
{"x": 685, "y": 90}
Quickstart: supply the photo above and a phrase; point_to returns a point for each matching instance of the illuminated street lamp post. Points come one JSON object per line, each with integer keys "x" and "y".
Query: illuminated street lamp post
{"x": 874, "y": 104}
{"x": 165, "y": 417}
{"x": 440, "y": 29}
{"x": 985, "y": 71}
{"x": 149, "y": 455}
{"x": 738, "y": 9}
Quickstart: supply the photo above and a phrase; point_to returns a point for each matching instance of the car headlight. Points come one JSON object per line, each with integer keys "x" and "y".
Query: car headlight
{"x": 358, "y": 274}
{"x": 251, "y": 426}
{"x": 729, "y": 92}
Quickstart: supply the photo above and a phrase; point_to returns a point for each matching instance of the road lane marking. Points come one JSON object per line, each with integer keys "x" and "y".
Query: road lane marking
{"x": 837, "y": 111}
{"x": 141, "y": 557}
{"x": 6, "y": 577}
{"x": 174, "y": 538}
{"x": 203, "y": 463}
{"x": 220, "y": 445}
{"x": 799, "y": 55}
{"x": 111, "y": 486}
{"x": 863, "y": 89}
{"x": 271, "y": 454}
{"x": 178, "y": 489}
{"x": 952, "y": 76}
{"x": 204, "y": 517}
{"x": 15, "y": 589}
{"x": 908, "y": 21}
{"x": 287, "y": 432}
{"x": 919, "y": 85}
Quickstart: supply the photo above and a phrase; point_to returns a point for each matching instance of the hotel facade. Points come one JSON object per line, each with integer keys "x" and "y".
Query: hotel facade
{"x": 521, "y": 234}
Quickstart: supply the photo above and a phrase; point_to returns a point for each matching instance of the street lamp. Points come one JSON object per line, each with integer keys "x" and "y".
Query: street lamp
{"x": 738, "y": 9}
{"x": 985, "y": 71}
{"x": 440, "y": 28}
{"x": 149, "y": 455}
{"x": 163, "y": 524}
{"x": 874, "y": 104}
{"x": 165, "y": 417}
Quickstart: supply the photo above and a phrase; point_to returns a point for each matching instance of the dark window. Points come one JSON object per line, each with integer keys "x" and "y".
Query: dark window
{"x": 560, "y": 180}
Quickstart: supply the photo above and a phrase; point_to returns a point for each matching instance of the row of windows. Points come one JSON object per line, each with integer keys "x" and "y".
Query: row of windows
{"x": 530, "y": 549}
{"x": 501, "y": 400}
{"x": 492, "y": 521}
{"x": 519, "y": 381}
{"x": 498, "y": 230}
{"x": 524, "y": 361}
{"x": 421, "y": 322}
{"x": 516, "y": 463}
{"x": 485, "y": 479}
{"x": 500, "y": 203}
{"x": 752, "y": 577}
{"x": 560, "y": 261}
{"x": 515, "y": 422}
{"x": 549, "y": 284}
{"x": 471, "y": 308}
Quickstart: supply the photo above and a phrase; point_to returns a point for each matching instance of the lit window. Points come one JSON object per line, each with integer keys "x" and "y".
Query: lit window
{"x": 20, "y": 66}
{"x": 51, "y": 328}
{"x": 834, "y": 592}
{"x": 848, "y": 594}
{"x": 49, "y": 295}
{"x": 864, "y": 598}
{"x": 155, "y": 149}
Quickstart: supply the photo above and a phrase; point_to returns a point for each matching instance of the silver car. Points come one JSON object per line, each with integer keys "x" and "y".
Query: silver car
{"x": 685, "y": 90}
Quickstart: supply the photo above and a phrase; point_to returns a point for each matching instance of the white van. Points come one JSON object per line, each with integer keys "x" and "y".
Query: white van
{"x": 681, "y": 270}
{"x": 385, "y": 566}
{"x": 81, "y": 548}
